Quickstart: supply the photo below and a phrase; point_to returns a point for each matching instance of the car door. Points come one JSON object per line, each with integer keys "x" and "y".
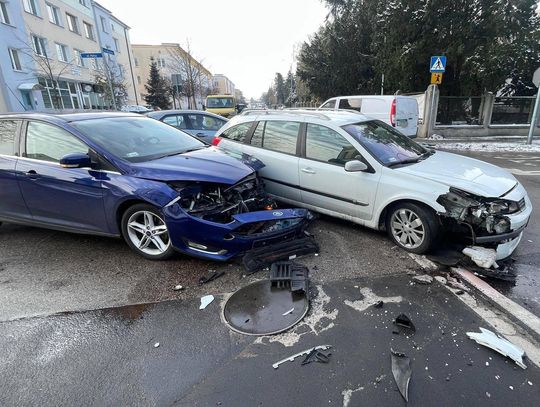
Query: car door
{"x": 275, "y": 143}
{"x": 63, "y": 197}
{"x": 177, "y": 120}
{"x": 12, "y": 204}
{"x": 323, "y": 179}
{"x": 204, "y": 126}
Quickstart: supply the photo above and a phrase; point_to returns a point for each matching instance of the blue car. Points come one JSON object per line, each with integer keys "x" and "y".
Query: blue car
{"x": 125, "y": 175}
{"x": 202, "y": 125}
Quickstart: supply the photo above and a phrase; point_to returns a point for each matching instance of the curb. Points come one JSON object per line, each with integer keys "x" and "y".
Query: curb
{"x": 525, "y": 318}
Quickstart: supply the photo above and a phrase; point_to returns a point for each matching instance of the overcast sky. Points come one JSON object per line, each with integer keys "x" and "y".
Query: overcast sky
{"x": 247, "y": 40}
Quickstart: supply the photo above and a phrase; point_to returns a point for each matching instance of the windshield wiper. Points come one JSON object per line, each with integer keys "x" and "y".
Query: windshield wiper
{"x": 407, "y": 161}
{"x": 193, "y": 149}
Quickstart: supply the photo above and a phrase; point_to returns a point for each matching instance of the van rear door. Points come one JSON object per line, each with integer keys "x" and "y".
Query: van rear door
{"x": 406, "y": 115}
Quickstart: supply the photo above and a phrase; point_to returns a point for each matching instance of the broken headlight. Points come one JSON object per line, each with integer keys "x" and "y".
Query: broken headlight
{"x": 502, "y": 206}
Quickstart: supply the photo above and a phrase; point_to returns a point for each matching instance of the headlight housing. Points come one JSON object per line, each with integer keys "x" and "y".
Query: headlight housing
{"x": 502, "y": 207}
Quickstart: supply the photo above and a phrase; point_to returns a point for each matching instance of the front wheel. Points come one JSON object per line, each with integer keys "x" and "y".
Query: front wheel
{"x": 146, "y": 233}
{"x": 412, "y": 227}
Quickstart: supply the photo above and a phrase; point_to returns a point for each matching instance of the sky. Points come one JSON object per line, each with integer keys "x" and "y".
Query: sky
{"x": 246, "y": 40}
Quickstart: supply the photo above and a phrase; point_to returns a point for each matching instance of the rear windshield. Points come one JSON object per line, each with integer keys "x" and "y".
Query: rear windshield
{"x": 137, "y": 139}
{"x": 385, "y": 143}
{"x": 216, "y": 103}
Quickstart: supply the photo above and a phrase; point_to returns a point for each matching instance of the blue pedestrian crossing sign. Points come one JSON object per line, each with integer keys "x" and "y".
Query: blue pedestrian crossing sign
{"x": 437, "y": 64}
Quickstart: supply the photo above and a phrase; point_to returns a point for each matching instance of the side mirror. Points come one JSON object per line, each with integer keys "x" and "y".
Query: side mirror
{"x": 355, "y": 166}
{"x": 75, "y": 160}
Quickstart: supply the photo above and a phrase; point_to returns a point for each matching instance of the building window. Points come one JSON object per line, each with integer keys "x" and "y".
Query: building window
{"x": 138, "y": 79}
{"x": 83, "y": 2}
{"x": 89, "y": 31}
{"x": 4, "y": 16}
{"x": 113, "y": 28}
{"x": 161, "y": 62}
{"x": 78, "y": 59}
{"x": 62, "y": 52}
{"x": 121, "y": 71}
{"x": 103, "y": 24}
{"x": 39, "y": 45}
{"x": 31, "y": 6}
{"x": 116, "y": 45}
{"x": 15, "y": 59}
{"x": 73, "y": 23}
{"x": 136, "y": 62}
{"x": 54, "y": 14}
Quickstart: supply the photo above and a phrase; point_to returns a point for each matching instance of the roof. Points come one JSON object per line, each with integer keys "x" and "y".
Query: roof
{"x": 67, "y": 117}
{"x": 338, "y": 117}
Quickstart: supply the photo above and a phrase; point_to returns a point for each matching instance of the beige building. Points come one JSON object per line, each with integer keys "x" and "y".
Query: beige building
{"x": 222, "y": 85}
{"x": 176, "y": 65}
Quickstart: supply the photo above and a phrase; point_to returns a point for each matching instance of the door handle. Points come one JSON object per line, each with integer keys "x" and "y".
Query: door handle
{"x": 308, "y": 170}
{"x": 32, "y": 174}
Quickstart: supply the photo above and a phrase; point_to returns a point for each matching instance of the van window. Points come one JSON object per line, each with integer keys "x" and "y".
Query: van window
{"x": 351, "y": 104}
{"x": 8, "y": 129}
{"x": 237, "y": 133}
{"x": 324, "y": 144}
{"x": 329, "y": 105}
{"x": 376, "y": 106}
{"x": 281, "y": 136}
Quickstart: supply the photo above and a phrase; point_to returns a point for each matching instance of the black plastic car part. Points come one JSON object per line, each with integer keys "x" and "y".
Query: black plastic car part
{"x": 287, "y": 274}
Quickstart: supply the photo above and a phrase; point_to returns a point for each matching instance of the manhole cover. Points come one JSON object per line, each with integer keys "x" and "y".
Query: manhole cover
{"x": 259, "y": 308}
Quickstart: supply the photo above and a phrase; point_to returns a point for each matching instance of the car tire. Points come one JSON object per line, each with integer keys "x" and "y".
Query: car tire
{"x": 412, "y": 227}
{"x": 146, "y": 233}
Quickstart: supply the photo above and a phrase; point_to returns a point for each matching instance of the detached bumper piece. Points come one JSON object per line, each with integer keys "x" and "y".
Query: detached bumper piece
{"x": 257, "y": 259}
{"x": 286, "y": 274}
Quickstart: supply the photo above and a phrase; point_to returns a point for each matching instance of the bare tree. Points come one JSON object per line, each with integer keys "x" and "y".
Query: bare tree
{"x": 184, "y": 64}
{"x": 44, "y": 66}
{"x": 112, "y": 84}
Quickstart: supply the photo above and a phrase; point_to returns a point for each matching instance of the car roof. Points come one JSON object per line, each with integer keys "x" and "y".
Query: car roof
{"x": 160, "y": 113}
{"x": 337, "y": 117}
{"x": 67, "y": 117}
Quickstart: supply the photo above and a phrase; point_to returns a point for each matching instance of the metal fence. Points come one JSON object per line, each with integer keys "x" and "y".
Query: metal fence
{"x": 460, "y": 110}
{"x": 512, "y": 110}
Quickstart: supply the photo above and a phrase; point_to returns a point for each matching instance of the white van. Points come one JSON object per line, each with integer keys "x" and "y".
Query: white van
{"x": 398, "y": 111}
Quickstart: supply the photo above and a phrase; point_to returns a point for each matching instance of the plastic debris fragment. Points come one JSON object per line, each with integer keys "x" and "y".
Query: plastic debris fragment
{"x": 305, "y": 352}
{"x": 423, "y": 279}
{"x": 482, "y": 256}
{"x": 401, "y": 369}
{"x": 404, "y": 321}
{"x": 498, "y": 344}
{"x": 207, "y": 299}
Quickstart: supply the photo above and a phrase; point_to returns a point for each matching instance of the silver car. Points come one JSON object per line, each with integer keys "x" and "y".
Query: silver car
{"x": 202, "y": 125}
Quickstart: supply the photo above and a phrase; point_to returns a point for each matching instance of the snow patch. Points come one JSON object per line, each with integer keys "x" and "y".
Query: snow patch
{"x": 369, "y": 299}
{"x": 491, "y": 147}
{"x": 317, "y": 321}
{"x": 347, "y": 394}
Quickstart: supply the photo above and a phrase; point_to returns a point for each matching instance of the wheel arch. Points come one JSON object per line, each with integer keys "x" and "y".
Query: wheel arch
{"x": 381, "y": 222}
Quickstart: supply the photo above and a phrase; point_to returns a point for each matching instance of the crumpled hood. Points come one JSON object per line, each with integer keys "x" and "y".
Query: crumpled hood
{"x": 468, "y": 174}
{"x": 205, "y": 165}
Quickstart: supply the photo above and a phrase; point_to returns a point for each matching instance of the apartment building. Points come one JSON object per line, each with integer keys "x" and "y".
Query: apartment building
{"x": 223, "y": 85}
{"x": 174, "y": 63}
{"x": 46, "y": 68}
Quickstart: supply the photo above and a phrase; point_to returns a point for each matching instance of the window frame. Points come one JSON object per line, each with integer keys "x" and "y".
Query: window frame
{"x": 42, "y": 45}
{"x": 65, "y": 52}
{"x": 79, "y": 61}
{"x": 249, "y": 133}
{"x": 301, "y": 131}
{"x": 73, "y": 22}
{"x": 16, "y": 139}
{"x": 54, "y": 11}
{"x": 32, "y": 7}
{"x": 12, "y": 53}
{"x": 116, "y": 44}
{"x": 89, "y": 29}
{"x": 103, "y": 22}
{"x": 4, "y": 13}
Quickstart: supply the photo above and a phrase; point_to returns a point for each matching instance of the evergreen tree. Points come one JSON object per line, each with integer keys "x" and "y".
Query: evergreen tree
{"x": 157, "y": 88}
{"x": 279, "y": 88}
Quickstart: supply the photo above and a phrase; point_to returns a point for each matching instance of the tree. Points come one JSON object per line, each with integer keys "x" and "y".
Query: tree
{"x": 157, "y": 88}
{"x": 279, "y": 89}
{"x": 111, "y": 82}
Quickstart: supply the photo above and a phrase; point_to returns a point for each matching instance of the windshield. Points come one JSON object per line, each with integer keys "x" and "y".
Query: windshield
{"x": 214, "y": 103}
{"x": 389, "y": 146}
{"x": 137, "y": 139}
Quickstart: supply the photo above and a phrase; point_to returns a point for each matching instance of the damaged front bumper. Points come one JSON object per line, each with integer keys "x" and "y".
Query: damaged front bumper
{"x": 478, "y": 220}
{"x": 222, "y": 241}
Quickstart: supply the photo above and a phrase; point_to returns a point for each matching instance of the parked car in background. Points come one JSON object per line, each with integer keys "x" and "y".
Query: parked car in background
{"x": 115, "y": 174}
{"x": 344, "y": 164}
{"x": 223, "y": 105}
{"x": 135, "y": 109}
{"x": 398, "y": 111}
{"x": 195, "y": 122}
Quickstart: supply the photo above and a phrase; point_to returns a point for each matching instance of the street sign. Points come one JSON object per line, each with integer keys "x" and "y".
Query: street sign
{"x": 437, "y": 64}
{"x": 91, "y": 55}
{"x": 436, "y": 78}
{"x": 108, "y": 51}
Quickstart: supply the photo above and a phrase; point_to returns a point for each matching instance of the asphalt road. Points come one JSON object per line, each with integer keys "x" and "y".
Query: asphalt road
{"x": 108, "y": 357}
{"x": 526, "y": 168}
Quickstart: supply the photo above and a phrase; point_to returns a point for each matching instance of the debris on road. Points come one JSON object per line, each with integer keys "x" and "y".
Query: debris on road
{"x": 316, "y": 356}
{"x": 213, "y": 275}
{"x": 378, "y": 304}
{"x": 404, "y": 321}
{"x": 423, "y": 279}
{"x": 441, "y": 279}
{"x": 401, "y": 369}
{"x": 259, "y": 258}
{"x": 498, "y": 344}
{"x": 296, "y": 355}
{"x": 156, "y": 345}
{"x": 482, "y": 256}
{"x": 178, "y": 287}
{"x": 287, "y": 274}
{"x": 205, "y": 301}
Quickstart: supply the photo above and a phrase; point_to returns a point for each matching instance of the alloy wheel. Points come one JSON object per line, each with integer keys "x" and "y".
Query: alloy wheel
{"x": 148, "y": 233}
{"x": 407, "y": 228}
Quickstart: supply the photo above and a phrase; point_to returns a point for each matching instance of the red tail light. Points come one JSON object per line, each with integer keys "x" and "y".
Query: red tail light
{"x": 216, "y": 141}
{"x": 393, "y": 113}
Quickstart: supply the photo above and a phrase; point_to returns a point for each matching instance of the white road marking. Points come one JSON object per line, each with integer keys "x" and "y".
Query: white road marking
{"x": 517, "y": 171}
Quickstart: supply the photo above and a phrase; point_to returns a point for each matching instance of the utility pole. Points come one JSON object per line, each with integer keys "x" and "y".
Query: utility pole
{"x": 534, "y": 120}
